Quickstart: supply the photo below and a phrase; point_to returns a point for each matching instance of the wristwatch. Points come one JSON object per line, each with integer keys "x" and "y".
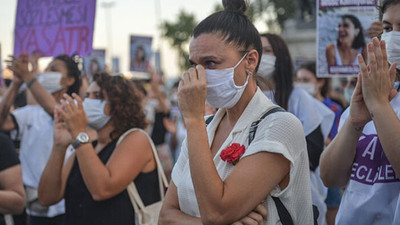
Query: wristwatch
{"x": 81, "y": 139}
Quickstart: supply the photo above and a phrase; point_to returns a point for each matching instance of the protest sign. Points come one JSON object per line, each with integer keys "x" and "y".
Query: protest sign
{"x": 53, "y": 27}
{"x": 94, "y": 63}
{"x": 140, "y": 53}
{"x": 341, "y": 26}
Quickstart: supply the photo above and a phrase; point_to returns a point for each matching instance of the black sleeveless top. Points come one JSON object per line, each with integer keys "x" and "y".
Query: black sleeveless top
{"x": 81, "y": 209}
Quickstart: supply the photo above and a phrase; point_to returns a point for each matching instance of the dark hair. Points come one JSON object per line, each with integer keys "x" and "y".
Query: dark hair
{"x": 359, "y": 41}
{"x": 73, "y": 71}
{"x": 140, "y": 47}
{"x": 283, "y": 74}
{"x": 310, "y": 66}
{"x": 94, "y": 61}
{"x": 386, "y": 4}
{"x": 125, "y": 103}
{"x": 233, "y": 25}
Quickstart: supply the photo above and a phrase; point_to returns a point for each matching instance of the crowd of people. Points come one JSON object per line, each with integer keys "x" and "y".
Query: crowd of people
{"x": 243, "y": 136}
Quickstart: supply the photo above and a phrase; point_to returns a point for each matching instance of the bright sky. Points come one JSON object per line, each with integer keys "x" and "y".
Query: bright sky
{"x": 127, "y": 17}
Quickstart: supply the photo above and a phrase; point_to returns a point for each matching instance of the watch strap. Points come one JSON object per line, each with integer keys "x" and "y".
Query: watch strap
{"x": 78, "y": 142}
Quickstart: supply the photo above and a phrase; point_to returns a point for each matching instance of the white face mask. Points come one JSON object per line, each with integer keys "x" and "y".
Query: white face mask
{"x": 222, "y": 91}
{"x": 94, "y": 109}
{"x": 267, "y": 66}
{"x": 308, "y": 87}
{"x": 392, "y": 40}
{"x": 51, "y": 81}
{"x": 348, "y": 92}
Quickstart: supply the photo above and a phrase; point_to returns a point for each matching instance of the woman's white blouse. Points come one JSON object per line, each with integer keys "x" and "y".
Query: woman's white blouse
{"x": 278, "y": 133}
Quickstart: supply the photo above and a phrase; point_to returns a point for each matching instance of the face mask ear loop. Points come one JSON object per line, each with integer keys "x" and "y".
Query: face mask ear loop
{"x": 240, "y": 61}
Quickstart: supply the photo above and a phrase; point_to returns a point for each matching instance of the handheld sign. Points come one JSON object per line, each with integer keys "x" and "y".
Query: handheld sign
{"x": 341, "y": 35}
{"x": 94, "y": 63}
{"x": 54, "y": 27}
{"x": 140, "y": 53}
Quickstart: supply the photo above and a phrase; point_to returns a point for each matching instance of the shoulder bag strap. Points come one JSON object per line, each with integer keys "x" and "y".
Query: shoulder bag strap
{"x": 132, "y": 190}
{"x": 283, "y": 213}
{"x": 254, "y": 125}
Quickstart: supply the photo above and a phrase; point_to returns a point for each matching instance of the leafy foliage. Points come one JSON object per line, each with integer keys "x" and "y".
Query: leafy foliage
{"x": 273, "y": 12}
{"x": 178, "y": 34}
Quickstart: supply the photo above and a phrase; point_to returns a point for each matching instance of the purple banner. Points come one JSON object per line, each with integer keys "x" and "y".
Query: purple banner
{"x": 53, "y": 27}
{"x": 371, "y": 164}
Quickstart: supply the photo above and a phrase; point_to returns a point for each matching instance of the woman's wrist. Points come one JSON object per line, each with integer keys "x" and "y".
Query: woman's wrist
{"x": 31, "y": 82}
{"x": 193, "y": 121}
{"x": 60, "y": 147}
{"x": 29, "y": 76}
{"x": 357, "y": 127}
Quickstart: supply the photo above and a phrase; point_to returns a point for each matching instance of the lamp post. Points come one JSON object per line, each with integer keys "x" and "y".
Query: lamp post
{"x": 107, "y": 8}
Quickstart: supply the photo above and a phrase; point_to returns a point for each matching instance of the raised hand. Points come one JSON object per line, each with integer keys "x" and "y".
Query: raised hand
{"x": 34, "y": 60}
{"x": 378, "y": 78}
{"x": 374, "y": 30}
{"x": 20, "y": 67}
{"x": 73, "y": 114}
{"x": 359, "y": 114}
{"x": 62, "y": 137}
{"x": 192, "y": 92}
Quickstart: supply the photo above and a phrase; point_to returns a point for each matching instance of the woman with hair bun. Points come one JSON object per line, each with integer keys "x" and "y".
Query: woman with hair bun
{"x": 225, "y": 173}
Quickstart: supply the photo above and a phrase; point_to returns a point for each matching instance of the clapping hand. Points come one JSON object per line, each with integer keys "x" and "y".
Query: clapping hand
{"x": 73, "y": 114}
{"x": 374, "y": 30}
{"x": 377, "y": 77}
{"x": 20, "y": 67}
{"x": 62, "y": 137}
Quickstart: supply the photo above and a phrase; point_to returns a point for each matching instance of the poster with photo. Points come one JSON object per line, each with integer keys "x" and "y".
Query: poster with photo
{"x": 140, "y": 53}
{"x": 341, "y": 27}
{"x": 94, "y": 63}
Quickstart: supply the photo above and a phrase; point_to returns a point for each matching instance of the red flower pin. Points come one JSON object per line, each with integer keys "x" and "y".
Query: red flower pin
{"x": 232, "y": 153}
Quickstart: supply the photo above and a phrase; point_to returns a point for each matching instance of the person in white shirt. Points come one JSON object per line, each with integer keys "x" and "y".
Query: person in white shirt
{"x": 365, "y": 153}
{"x": 210, "y": 185}
{"x": 35, "y": 125}
{"x": 275, "y": 77}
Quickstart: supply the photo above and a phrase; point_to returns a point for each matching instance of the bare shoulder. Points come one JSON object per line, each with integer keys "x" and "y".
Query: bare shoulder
{"x": 136, "y": 139}
{"x": 330, "y": 47}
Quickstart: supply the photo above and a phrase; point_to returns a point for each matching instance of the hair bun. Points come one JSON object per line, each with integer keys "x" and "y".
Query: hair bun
{"x": 237, "y": 6}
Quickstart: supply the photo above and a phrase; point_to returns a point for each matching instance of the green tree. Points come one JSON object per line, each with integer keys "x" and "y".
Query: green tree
{"x": 178, "y": 34}
{"x": 278, "y": 11}
{"x": 273, "y": 12}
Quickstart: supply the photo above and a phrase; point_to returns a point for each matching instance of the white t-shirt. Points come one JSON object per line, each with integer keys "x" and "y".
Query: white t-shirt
{"x": 278, "y": 133}
{"x": 36, "y": 135}
{"x": 372, "y": 195}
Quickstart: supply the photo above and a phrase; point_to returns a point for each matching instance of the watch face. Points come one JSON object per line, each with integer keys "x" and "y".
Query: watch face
{"x": 83, "y": 137}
